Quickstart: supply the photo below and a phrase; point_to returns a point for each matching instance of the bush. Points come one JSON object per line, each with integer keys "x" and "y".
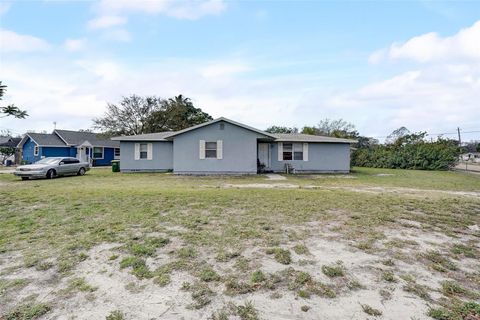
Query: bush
{"x": 409, "y": 152}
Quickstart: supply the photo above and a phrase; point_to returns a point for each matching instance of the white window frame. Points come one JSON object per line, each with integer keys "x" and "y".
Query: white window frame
{"x": 203, "y": 150}
{"x": 36, "y": 150}
{"x": 296, "y": 147}
{"x": 93, "y": 153}
{"x": 211, "y": 149}
{"x": 115, "y": 155}
{"x": 283, "y": 151}
{"x": 138, "y": 153}
{"x": 145, "y": 151}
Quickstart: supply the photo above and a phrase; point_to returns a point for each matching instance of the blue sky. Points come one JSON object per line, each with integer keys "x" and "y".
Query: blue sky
{"x": 377, "y": 64}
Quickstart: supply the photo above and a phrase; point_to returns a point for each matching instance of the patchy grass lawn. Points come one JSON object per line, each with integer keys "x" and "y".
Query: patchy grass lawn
{"x": 385, "y": 243}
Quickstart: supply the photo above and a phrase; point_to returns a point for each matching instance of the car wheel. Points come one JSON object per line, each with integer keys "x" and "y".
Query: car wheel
{"x": 24, "y": 178}
{"x": 81, "y": 172}
{"x": 51, "y": 174}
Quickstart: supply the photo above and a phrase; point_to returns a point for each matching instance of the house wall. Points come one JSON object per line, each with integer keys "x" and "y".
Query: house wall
{"x": 239, "y": 150}
{"x": 322, "y": 157}
{"x": 73, "y": 152}
{"x": 108, "y": 156}
{"x": 162, "y": 157}
{"x": 55, "y": 151}
{"x": 27, "y": 152}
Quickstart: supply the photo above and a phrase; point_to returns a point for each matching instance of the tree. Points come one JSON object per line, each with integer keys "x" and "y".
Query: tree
{"x": 6, "y": 152}
{"x": 332, "y": 128}
{"x": 130, "y": 117}
{"x": 10, "y": 110}
{"x": 139, "y": 115}
{"x": 280, "y": 129}
{"x": 396, "y": 134}
{"x": 336, "y": 128}
{"x": 175, "y": 114}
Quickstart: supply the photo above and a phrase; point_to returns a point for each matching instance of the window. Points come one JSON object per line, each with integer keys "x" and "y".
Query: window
{"x": 35, "y": 150}
{"x": 287, "y": 151}
{"x": 293, "y": 151}
{"x": 117, "y": 152}
{"x": 210, "y": 150}
{"x": 70, "y": 161}
{"x": 143, "y": 151}
{"x": 297, "y": 151}
{"x": 97, "y": 152}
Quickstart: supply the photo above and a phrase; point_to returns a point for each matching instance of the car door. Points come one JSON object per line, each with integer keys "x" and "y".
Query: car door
{"x": 74, "y": 166}
{"x": 63, "y": 167}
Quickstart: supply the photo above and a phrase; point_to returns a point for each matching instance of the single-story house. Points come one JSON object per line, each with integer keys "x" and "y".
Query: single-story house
{"x": 86, "y": 146}
{"x": 9, "y": 142}
{"x": 223, "y": 146}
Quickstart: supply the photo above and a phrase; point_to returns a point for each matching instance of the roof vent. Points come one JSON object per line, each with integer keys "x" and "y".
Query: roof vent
{"x": 222, "y": 126}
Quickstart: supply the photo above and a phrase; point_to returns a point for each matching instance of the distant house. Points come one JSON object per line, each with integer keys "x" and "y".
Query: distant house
{"x": 10, "y": 142}
{"x": 86, "y": 146}
{"x": 223, "y": 146}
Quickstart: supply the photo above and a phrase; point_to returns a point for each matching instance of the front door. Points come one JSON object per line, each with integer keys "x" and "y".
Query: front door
{"x": 264, "y": 155}
{"x": 82, "y": 154}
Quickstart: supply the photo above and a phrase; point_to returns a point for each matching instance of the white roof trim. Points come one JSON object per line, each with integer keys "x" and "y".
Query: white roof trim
{"x": 85, "y": 143}
{"x": 24, "y": 139}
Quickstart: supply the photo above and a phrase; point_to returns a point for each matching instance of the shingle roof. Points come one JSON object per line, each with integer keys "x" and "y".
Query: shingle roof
{"x": 287, "y": 137}
{"x": 299, "y": 137}
{"x": 9, "y": 141}
{"x": 79, "y": 137}
{"x": 46, "y": 139}
{"x": 222, "y": 119}
{"x": 159, "y": 136}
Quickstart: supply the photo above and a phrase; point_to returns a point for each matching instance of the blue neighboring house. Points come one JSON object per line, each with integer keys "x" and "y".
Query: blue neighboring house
{"x": 86, "y": 146}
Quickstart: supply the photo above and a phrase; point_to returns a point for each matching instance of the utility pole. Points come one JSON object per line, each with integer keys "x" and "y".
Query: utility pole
{"x": 459, "y": 137}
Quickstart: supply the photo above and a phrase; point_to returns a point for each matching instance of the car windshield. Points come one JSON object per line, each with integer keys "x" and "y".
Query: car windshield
{"x": 48, "y": 161}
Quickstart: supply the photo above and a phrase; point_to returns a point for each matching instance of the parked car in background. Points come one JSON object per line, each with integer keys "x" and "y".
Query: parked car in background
{"x": 52, "y": 167}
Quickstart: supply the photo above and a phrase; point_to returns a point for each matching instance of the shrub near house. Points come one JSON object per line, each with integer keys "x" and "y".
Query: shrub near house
{"x": 409, "y": 152}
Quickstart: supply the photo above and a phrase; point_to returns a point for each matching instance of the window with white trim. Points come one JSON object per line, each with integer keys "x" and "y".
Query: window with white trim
{"x": 143, "y": 150}
{"x": 297, "y": 151}
{"x": 36, "y": 150}
{"x": 292, "y": 151}
{"x": 287, "y": 151}
{"x": 117, "y": 152}
{"x": 211, "y": 149}
{"x": 97, "y": 152}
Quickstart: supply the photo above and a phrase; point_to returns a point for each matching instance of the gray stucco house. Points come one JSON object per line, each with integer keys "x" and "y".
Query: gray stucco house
{"x": 223, "y": 146}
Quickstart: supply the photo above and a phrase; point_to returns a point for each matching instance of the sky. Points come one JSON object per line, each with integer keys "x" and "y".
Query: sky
{"x": 377, "y": 64}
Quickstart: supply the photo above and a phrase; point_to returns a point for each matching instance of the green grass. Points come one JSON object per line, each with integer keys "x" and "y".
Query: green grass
{"x": 456, "y": 311}
{"x": 334, "y": 270}
{"x": 53, "y": 223}
{"x": 29, "y": 311}
{"x": 282, "y": 256}
{"x": 371, "y": 311}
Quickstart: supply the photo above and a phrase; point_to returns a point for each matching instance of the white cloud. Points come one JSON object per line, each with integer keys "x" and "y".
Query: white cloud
{"x": 106, "y": 21}
{"x": 4, "y": 7}
{"x": 14, "y": 42}
{"x": 437, "y": 98}
{"x": 120, "y": 35}
{"x": 75, "y": 44}
{"x": 431, "y": 47}
{"x": 186, "y": 9}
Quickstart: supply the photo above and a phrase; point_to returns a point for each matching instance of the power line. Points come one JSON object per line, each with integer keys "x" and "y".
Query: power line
{"x": 436, "y": 134}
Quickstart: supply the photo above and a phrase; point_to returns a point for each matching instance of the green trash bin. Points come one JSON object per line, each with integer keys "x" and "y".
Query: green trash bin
{"x": 115, "y": 165}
